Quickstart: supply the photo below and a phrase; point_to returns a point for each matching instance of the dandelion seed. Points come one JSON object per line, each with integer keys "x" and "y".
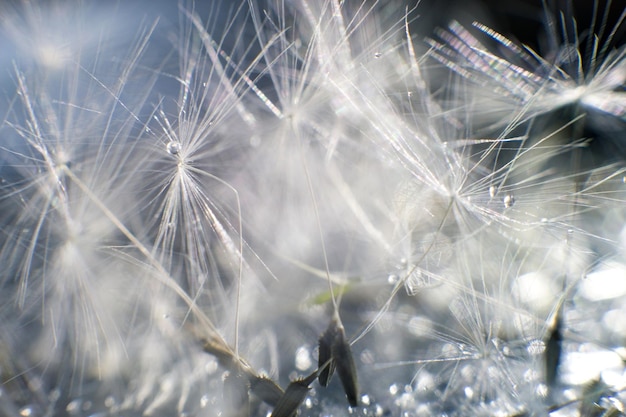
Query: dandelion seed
{"x": 335, "y": 353}
{"x": 145, "y": 194}
{"x": 294, "y": 395}
{"x": 553, "y": 351}
{"x": 266, "y": 389}
{"x": 533, "y": 85}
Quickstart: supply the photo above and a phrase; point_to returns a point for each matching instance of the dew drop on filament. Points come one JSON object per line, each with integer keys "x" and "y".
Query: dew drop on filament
{"x": 173, "y": 147}
{"x": 509, "y": 200}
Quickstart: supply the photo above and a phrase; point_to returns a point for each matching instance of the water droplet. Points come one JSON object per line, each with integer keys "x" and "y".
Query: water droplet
{"x": 173, "y": 147}
{"x": 392, "y": 279}
{"x": 509, "y": 200}
{"x": 365, "y": 399}
{"x": 379, "y": 411}
{"x": 409, "y": 93}
{"x": 536, "y": 347}
{"x": 469, "y": 392}
{"x": 492, "y": 191}
{"x": 393, "y": 389}
{"x": 204, "y": 400}
{"x": 377, "y": 55}
{"x": 308, "y": 403}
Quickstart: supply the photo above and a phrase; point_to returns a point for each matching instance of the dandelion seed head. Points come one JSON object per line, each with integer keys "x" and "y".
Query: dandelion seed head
{"x": 218, "y": 186}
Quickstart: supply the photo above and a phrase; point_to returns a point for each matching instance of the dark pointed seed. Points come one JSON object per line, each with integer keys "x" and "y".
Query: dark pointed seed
{"x": 346, "y": 368}
{"x": 325, "y": 359}
{"x": 266, "y": 390}
{"x": 335, "y": 353}
{"x": 553, "y": 351}
{"x": 294, "y": 396}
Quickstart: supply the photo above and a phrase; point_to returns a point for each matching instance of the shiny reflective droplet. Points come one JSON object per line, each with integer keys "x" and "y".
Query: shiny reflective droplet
{"x": 492, "y": 191}
{"x": 536, "y": 347}
{"x": 392, "y": 279}
{"x": 365, "y": 399}
{"x": 377, "y": 55}
{"x": 308, "y": 403}
{"x": 173, "y": 147}
{"x": 393, "y": 389}
{"x": 509, "y": 200}
{"x": 469, "y": 392}
{"x": 204, "y": 401}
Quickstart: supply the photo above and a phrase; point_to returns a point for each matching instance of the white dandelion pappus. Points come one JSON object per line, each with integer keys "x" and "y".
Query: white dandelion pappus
{"x": 589, "y": 71}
